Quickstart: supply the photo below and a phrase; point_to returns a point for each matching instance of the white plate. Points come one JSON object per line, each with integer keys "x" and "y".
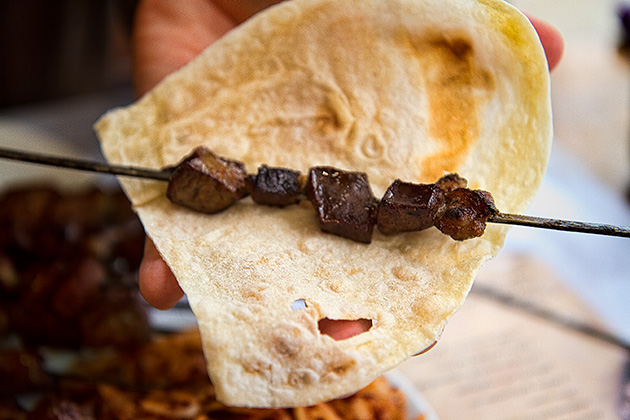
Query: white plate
{"x": 416, "y": 403}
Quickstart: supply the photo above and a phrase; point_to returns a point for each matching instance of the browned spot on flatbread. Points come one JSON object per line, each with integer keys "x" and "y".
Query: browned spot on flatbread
{"x": 404, "y": 273}
{"x": 456, "y": 87}
{"x": 257, "y": 367}
{"x": 337, "y": 365}
{"x": 300, "y": 378}
{"x": 286, "y": 343}
{"x": 354, "y": 270}
{"x": 345, "y": 366}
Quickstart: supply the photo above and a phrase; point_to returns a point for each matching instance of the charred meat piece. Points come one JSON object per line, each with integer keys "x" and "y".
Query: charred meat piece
{"x": 276, "y": 186}
{"x": 408, "y": 207}
{"x": 451, "y": 182}
{"x": 465, "y": 213}
{"x": 343, "y": 201}
{"x": 207, "y": 183}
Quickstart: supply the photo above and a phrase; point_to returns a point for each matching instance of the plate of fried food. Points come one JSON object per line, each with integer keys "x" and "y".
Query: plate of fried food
{"x": 172, "y": 383}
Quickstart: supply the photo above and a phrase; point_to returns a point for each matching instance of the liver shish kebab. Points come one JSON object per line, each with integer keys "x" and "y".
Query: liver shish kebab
{"x": 458, "y": 214}
{"x": 343, "y": 200}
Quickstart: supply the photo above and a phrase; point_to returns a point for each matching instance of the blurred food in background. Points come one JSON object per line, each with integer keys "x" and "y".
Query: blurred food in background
{"x": 166, "y": 379}
{"x": 68, "y": 264}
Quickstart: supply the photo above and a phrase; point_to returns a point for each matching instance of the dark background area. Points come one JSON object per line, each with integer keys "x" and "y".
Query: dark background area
{"x": 51, "y": 50}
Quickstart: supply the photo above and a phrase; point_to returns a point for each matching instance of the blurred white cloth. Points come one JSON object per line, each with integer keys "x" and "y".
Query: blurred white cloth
{"x": 596, "y": 267}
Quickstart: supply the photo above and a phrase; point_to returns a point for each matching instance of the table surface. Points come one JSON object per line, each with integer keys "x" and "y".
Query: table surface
{"x": 590, "y": 86}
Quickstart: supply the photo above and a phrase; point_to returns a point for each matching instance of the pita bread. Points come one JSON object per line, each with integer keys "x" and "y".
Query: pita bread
{"x": 405, "y": 89}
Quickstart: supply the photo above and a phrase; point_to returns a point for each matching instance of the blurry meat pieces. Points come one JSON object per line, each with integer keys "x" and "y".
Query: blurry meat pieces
{"x": 343, "y": 202}
{"x": 408, "y": 207}
{"x": 276, "y": 186}
{"x": 207, "y": 183}
{"x": 68, "y": 265}
{"x": 21, "y": 371}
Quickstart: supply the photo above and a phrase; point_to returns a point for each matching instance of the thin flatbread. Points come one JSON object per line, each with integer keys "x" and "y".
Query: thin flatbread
{"x": 407, "y": 89}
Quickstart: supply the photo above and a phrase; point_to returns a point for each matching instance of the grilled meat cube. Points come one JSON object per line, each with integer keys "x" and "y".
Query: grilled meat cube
{"x": 407, "y": 207}
{"x": 465, "y": 213}
{"x": 343, "y": 201}
{"x": 276, "y": 186}
{"x": 207, "y": 183}
{"x": 451, "y": 182}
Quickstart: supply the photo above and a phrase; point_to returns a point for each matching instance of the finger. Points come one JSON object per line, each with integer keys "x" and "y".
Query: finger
{"x": 168, "y": 34}
{"x": 240, "y": 11}
{"x": 342, "y": 329}
{"x": 157, "y": 283}
{"x": 551, "y": 40}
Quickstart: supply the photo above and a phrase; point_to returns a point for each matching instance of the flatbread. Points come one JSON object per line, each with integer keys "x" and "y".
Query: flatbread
{"x": 405, "y": 89}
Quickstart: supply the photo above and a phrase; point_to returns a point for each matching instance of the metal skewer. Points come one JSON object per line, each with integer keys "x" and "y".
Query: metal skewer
{"x": 164, "y": 175}
{"x": 556, "y": 224}
{"x": 84, "y": 165}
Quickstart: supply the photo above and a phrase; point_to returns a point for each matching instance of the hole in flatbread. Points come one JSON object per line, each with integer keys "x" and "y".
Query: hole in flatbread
{"x": 341, "y": 329}
{"x": 298, "y": 304}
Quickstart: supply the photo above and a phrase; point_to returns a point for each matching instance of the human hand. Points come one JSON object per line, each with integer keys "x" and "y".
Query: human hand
{"x": 551, "y": 40}
{"x": 169, "y": 34}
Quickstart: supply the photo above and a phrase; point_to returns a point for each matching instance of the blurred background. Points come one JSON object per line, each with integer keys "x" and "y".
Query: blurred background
{"x": 591, "y": 86}
{"x": 52, "y": 50}
{"x": 62, "y": 64}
